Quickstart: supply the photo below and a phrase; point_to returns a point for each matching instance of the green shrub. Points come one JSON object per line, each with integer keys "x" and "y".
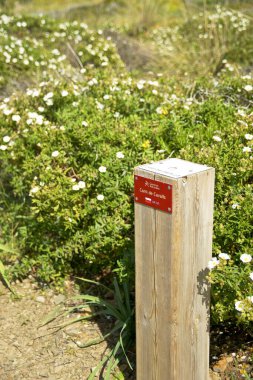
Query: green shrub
{"x": 69, "y": 144}
{"x": 208, "y": 42}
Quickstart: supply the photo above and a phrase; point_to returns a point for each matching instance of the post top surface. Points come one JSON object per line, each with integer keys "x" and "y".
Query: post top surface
{"x": 174, "y": 167}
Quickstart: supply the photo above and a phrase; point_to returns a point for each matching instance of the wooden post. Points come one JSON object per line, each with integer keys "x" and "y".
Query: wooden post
{"x": 173, "y": 239}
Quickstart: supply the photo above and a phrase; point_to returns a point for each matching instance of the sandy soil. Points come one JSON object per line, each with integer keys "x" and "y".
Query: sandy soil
{"x": 31, "y": 352}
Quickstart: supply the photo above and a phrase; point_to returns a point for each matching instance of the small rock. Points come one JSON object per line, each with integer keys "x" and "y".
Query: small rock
{"x": 26, "y": 285}
{"x": 213, "y": 375}
{"x": 72, "y": 331}
{"x": 222, "y": 364}
{"x": 59, "y": 299}
{"x": 43, "y": 374}
{"x": 41, "y": 299}
{"x": 58, "y": 368}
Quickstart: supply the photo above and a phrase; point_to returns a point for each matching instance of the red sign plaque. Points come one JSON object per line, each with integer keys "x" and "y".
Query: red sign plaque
{"x": 150, "y": 192}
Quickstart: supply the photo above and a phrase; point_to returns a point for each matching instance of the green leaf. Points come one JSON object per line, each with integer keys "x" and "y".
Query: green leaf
{"x": 55, "y": 313}
{"x": 5, "y": 279}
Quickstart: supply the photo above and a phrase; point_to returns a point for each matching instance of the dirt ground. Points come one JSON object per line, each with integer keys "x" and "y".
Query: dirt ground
{"x": 31, "y": 352}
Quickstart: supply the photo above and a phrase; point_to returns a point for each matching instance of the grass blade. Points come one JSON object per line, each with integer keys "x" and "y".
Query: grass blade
{"x": 50, "y": 317}
{"x": 127, "y": 298}
{"x": 99, "y": 340}
{"x": 76, "y": 320}
{"x": 99, "y": 366}
{"x": 126, "y": 344}
{"x": 119, "y": 299}
{"x": 113, "y": 361}
{"x": 94, "y": 283}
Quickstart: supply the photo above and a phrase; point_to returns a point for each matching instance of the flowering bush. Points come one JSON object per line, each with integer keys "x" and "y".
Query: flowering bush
{"x": 232, "y": 288}
{"x": 206, "y": 42}
{"x": 70, "y": 141}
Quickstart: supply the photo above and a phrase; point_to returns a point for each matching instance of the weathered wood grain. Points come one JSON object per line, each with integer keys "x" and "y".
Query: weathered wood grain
{"x": 172, "y": 296}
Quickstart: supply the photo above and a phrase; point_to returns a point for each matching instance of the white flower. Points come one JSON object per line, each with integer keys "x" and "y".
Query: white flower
{"x": 251, "y": 276}
{"x": 6, "y": 139}
{"x": 64, "y": 93}
{"x": 239, "y": 305}
{"x": 81, "y": 184}
{"x": 245, "y": 258}
{"x": 216, "y": 138}
{"x": 116, "y": 115}
{"x": 120, "y": 155}
{"x": 56, "y": 52}
{"x": 75, "y": 187}
{"x": 41, "y": 109}
{"x": 248, "y": 136}
{"x": 92, "y": 82}
{"x": 3, "y": 147}
{"x": 106, "y": 97}
{"x": 159, "y": 110}
{"x": 16, "y": 118}
{"x": 250, "y": 298}
{"x": 49, "y": 102}
{"x": 39, "y": 120}
{"x": 224, "y": 256}
{"x": 84, "y": 124}
{"x": 153, "y": 83}
{"x": 100, "y": 197}
{"x": 235, "y": 206}
{"x": 36, "y": 93}
{"x": 7, "y": 112}
{"x": 241, "y": 112}
{"x": 243, "y": 123}
{"x": 213, "y": 263}
{"x": 100, "y": 106}
{"x": 34, "y": 190}
{"x": 102, "y": 169}
{"x": 55, "y": 153}
{"x": 246, "y": 149}
{"x": 29, "y": 121}
{"x": 248, "y": 88}
{"x": 48, "y": 96}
